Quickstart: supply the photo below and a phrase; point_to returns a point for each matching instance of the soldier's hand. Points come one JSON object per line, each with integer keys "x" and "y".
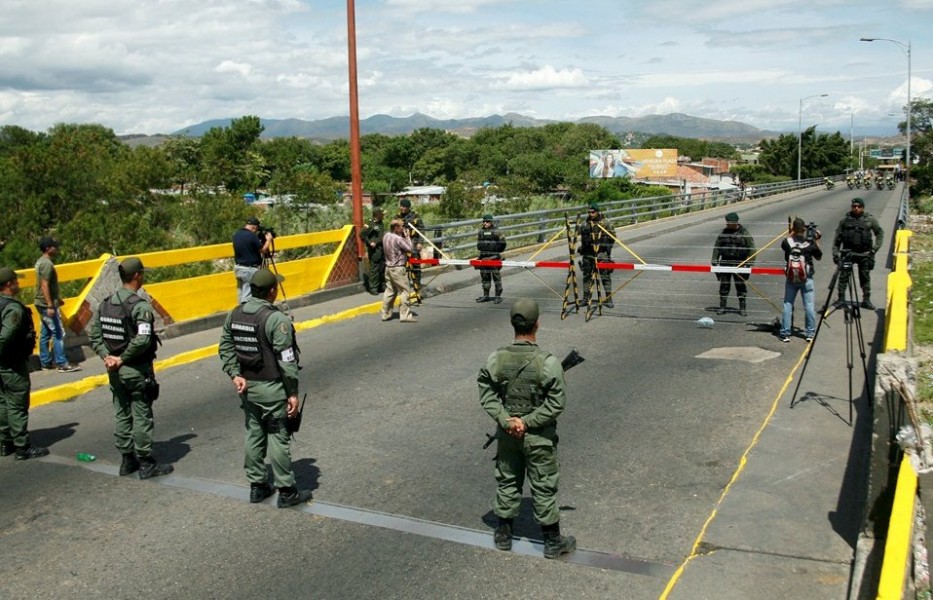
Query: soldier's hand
{"x": 239, "y": 382}
{"x": 292, "y": 407}
{"x": 516, "y": 427}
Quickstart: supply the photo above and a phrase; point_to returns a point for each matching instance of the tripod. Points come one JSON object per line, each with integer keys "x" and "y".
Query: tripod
{"x": 270, "y": 261}
{"x": 852, "y": 317}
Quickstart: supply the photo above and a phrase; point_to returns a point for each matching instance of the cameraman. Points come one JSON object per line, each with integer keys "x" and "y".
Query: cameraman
{"x": 860, "y": 235}
{"x": 250, "y": 247}
{"x": 803, "y": 242}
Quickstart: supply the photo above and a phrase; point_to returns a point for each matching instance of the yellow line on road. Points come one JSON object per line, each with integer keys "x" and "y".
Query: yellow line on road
{"x": 67, "y": 391}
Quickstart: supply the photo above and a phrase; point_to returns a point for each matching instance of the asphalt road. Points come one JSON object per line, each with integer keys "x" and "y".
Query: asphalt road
{"x": 391, "y": 446}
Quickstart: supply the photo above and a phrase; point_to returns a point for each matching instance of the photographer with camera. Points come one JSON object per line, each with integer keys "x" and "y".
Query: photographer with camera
{"x": 259, "y": 353}
{"x": 800, "y": 248}
{"x": 859, "y": 236}
{"x": 123, "y": 336}
{"x": 251, "y": 245}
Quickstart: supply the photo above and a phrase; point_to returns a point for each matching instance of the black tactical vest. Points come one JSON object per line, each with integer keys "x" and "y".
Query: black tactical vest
{"x": 253, "y": 348}
{"x": 23, "y": 341}
{"x": 521, "y": 370}
{"x": 856, "y": 234}
{"x": 489, "y": 243}
{"x": 118, "y": 327}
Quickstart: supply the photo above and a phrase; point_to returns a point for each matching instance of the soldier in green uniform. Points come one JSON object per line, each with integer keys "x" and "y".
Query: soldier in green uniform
{"x": 259, "y": 353}
{"x": 522, "y": 389}
{"x": 734, "y": 246}
{"x": 371, "y": 236}
{"x": 860, "y": 237}
{"x": 490, "y": 244}
{"x": 595, "y": 247}
{"x": 122, "y": 336}
{"x": 412, "y": 221}
{"x": 17, "y": 340}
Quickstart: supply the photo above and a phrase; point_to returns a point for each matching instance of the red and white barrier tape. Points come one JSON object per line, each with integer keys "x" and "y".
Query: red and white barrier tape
{"x": 603, "y": 265}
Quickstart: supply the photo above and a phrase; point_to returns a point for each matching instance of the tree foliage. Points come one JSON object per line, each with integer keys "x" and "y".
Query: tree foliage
{"x": 821, "y": 155}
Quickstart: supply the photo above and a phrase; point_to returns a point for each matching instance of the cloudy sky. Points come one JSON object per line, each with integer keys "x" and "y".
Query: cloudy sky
{"x": 157, "y": 66}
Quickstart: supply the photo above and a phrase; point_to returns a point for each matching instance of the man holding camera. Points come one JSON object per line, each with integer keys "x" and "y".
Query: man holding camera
{"x": 122, "y": 336}
{"x": 858, "y": 239}
{"x": 259, "y": 353}
{"x": 250, "y": 247}
{"x": 800, "y": 248}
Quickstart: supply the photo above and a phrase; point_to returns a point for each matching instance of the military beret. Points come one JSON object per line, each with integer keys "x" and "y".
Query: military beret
{"x": 378, "y": 210}
{"x": 732, "y": 217}
{"x": 524, "y": 312}
{"x": 7, "y": 275}
{"x": 488, "y": 217}
{"x": 594, "y": 206}
{"x": 264, "y": 278}
{"x": 405, "y": 203}
{"x": 858, "y": 202}
{"x": 132, "y": 266}
{"x": 46, "y": 242}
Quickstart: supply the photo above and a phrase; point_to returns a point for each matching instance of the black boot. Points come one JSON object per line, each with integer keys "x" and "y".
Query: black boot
{"x": 503, "y": 534}
{"x": 556, "y": 544}
{"x": 742, "y": 310}
{"x": 498, "y": 298}
{"x": 148, "y": 468}
{"x": 840, "y": 300}
{"x": 608, "y": 303}
{"x": 866, "y": 301}
{"x": 31, "y": 452}
{"x": 259, "y": 492}
{"x": 722, "y": 306}
{"x": 7, "y": 448}
{"x": 130, "y": 463}
{"x": 485, "y": 297}
{"x": 290, "y": 496}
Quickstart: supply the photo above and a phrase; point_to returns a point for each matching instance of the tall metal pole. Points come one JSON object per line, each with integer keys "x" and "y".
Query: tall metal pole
{"x": 800, "y": 131}
{"x": 356, "y": 179}
{"x": 906, "y": 47}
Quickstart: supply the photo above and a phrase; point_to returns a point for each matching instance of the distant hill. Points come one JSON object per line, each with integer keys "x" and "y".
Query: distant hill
{"x": 332, "y": 128}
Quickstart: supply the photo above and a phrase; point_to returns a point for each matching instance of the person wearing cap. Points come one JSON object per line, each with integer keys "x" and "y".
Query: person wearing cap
{"x": 412, "y": 226}
{"x": 859, "y": 237}
{"x": 371, "y": 236}
{"x": 596, "y": 242}
{"x": 249, "y": 250}
{"x": 734, "y": 247}
{"x": 17, "y": 340}
{"x": 47, "y": 303}
{"x": 123, "y": 336}
{"x": 258, "y": 351}
{"x": 397, "y": 248}
{"x": 805, "y": 249}
{"x": 490, "y": 244}
{"x": 522, "y": 388}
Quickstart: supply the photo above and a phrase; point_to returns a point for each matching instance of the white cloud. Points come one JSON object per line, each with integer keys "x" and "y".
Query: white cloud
{"x": 547, "y": 77}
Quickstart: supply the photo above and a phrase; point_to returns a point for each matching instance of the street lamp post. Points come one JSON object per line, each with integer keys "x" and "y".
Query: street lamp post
{"x": 906, "y": 47}
{"x": 800, "y": 130}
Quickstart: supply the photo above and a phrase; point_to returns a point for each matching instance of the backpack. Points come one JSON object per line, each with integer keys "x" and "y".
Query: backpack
{"x": 796, "y": 269}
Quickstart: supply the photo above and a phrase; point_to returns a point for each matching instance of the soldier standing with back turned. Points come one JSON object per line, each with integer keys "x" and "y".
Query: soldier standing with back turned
{"x": 522, "y": 388}
{"x": 259, "y": 353}
{"x": 17, "y": 339}
{"x": 122, "y": 335}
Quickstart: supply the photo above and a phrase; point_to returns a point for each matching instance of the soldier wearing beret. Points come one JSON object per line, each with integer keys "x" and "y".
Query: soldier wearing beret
{"x": 371, "y": 236}
{"x": 123, "y": 336}
{"x": 490, "y": 244}
{"x": 734, "y": 246}
{"x": 860, "y": 237}
{"x": 17, "y": 340}
{"x": 522, "y": 388}
{"x": 411, "y": 222}
{"x": 595, "y": 247}
{"x": 259, "y": 353}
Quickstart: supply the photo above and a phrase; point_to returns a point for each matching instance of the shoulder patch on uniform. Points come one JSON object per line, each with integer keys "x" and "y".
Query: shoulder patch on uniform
{"x": 284, "y": 327}
{"x": 15, "y": 318}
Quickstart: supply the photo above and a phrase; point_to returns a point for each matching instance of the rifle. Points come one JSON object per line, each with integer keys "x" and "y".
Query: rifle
{"x": 293, "y": 424}
{"x": 570, "y": 361}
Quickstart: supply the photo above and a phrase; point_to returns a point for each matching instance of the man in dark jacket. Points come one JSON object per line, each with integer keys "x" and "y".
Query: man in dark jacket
{"x": 734, "y": 247}
{"x": 595, "y": 247}
{"x": 859, "y": 237}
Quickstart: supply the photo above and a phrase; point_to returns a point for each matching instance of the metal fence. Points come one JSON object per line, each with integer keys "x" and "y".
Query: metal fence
{"x": 458, "y": 239}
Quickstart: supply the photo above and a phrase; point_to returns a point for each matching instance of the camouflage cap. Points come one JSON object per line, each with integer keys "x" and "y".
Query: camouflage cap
{"x": 264, "y": 278}
{"x": 132, "y": 266}
{"x": 732, "y": 217}
{"x": 524, "y": 312}
{"x": 7, "y": 275}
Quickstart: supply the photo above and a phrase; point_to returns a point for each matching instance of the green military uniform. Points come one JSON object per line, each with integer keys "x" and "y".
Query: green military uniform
{"x": 490, "y": 244}
{"x": 862, "y": 236}
{"x": 371, "y": 236}
{"x": 412, "y": 221}
{"x": 17, "y": 340}
{"x": 734, "y": 246}
{"x": 124, "y": 328}
{"x": 257, "y": 329}
{"x": 596, "y": 246}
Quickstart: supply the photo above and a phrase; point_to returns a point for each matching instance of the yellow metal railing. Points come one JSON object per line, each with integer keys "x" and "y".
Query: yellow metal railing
{"x": 897, "y": 306}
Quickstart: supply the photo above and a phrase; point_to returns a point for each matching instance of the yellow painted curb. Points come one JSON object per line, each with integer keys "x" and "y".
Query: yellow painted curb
{"x": 67, "y": 391}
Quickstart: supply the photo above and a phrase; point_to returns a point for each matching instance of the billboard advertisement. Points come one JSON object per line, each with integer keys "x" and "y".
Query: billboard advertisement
{"x": 646, "y": 163}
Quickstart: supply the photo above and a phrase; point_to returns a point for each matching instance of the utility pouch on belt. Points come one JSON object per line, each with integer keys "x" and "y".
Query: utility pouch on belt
{"x": 274, "y": 424}
{"x": 151, "y": 388}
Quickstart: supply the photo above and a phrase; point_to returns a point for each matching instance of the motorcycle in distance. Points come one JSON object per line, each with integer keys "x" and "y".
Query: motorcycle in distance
{"x": 830, "y": 184}
{"x": 879, "y": 182}
{"x": 850, "y": 182}
{"x": 890, "y": 182}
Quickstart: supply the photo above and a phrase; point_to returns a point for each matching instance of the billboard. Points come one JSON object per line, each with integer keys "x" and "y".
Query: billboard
{"x": 646, "y": 163}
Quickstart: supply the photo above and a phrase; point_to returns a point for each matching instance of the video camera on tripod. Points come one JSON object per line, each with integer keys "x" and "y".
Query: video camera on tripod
{"x": 262, "y": 231}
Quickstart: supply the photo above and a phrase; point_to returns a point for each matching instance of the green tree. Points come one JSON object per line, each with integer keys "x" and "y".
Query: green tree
{"x": 231, "y": 156}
